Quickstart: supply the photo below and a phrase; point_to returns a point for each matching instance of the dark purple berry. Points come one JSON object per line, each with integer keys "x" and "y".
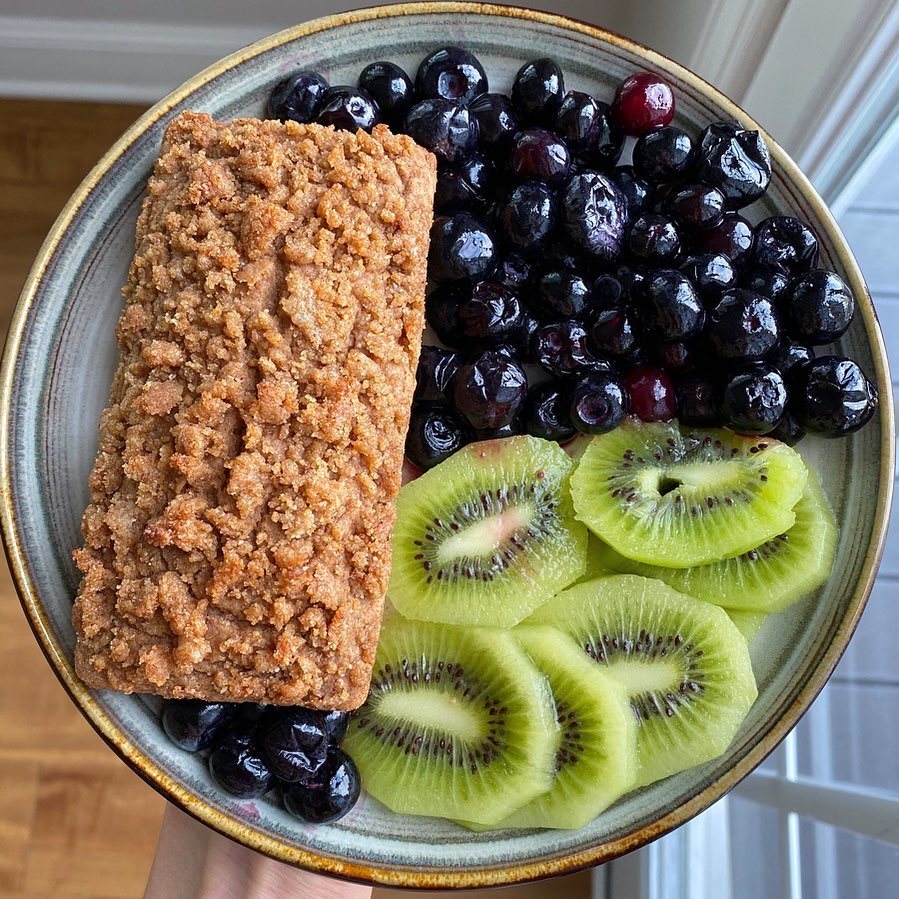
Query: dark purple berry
{"x": 297, "y": 97}
{"x": 540, "y": 154}
{"x": 599, "y": 403}
{"x": 561, "y": 348}
{"x": 819, "y": 307}
{"x": 631, "y": 277}
{"x": 294, "y": 742}
{"x": 492, "y": 314}
{"x": 586, "y": 126}
{"x": 336, "y": 723}
{"x": 435, "y": 433}
{"x": 754, "y": 399}
{"x": 785, "y": 244}
{"x": 732, "y": 237}
{"x": 490, "y": 390}
{"x": 538, "y": 90}
{"x": 663, "y": 155}
{"x": 451, "y": 73}
{"x": 560, "y": 293}
{"x": 510, "y": 429}
{"x": 651, "y": 393}
{"x": 643, "y": 102}
{"x": 466, "y": 185}
{"x": 743, "y": 326}
{"x": 695, "y": 207}
{"x": 788, "y": 355}
{"x": 528, "y": 215}
{"x": 697, "y": 398}
{"x": 462, "y": 248}
{"x": 832, "y": 397}
{"x": 442, "y": 312}
{"x": 653, "y": 240}
{"x": 611, "y": 331}
{"x": 348, "y": 108}
{"x": 767, "y": 282}
{"x": 329, "y": 794}
{"x": 513, "y": 270}
{"x": 496, "y": 118}
{"x": 391, "y": 88}
{"x": 711, "y": 274}
{"x": 669, "y": 308}
{"x": 675, "y": 357}
{"x": 787, "y": 430}
{"x": 435, "y": 373}
{"x": 193, "y": 724}
{"x": 238, "y": 767}
{"x": 444, "y": 127}
{"x": 595, "y": 214}
{"x": 547, "y": 412}
{"x": 734, "y": 160}
{"x": 640, "y": 194}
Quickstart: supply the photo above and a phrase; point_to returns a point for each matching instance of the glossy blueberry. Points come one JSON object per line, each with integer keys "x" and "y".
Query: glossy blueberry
{"x": 391, "y": 88}
{"x": 528, "y": 215}
{"x": 609, "y": 292}
{"x": 832, "y": 397}
{"x": 599, "y": 403}
{"x": 442, "y": 312}
{"x": 669, "y": 309}
{"x": 787, "y": 430}
{"x": 560, "y": 253}
{"x": 785, "y": 244}
{"x": 238, "y": 767}
{"x": 560, "y": 293}
{"x": 595, "y": 214}
{"x": 695, "y": 207}
{"x": 611, "y": 331}
{"x": 193, "y": 724}
{"x": 767, "y": 282}
{"x": 491, "y": 314}
{"x": 294, "y": 742}
{"x": 490, "y": 390}
{"x": 497, "y": 120}
{"x": 435, "y": 433}
{"x": 697, "y": 398}
{"x": 787, "y": 356}
{"x": 329, "y": 794}
{"x": 451, "y": 73}
{"x": 547, "y": 412}
{"x": 250, "y": 713}
{"x": 640, "y": 194}
{"x": 754, "y": 399}
{"x": 444, "y": 127}
{"x": 540, "y": 154}
{"x": 663, "y": 155}
{"x": 435, "y": 373}
{"x": 736, "y": 161}
{"x": 510, "y": 429}
{"x": 676, "y": 357}
{"x": 732, "y": 236}
{"x": 711, "y": 274}
{"x": 642, "y": 103}
{"x": 462, "y": 248}
{"x": 348, "y": 108}
{"x": 336, "y": 723}
{"x": 819, "y": 307}
{"x": 743, "y": 325}
{"x": 297, "y": 97}
{"x": 466, "y": 185}
{"x": 514, "y": 270}
{"x": 651, "y": 393}
{"x": 561, "y": 348}
{"x": 538, "y": 90}
{"x": 586, "y": 126}
{"x": 653, "y": 240}
{"x": 631, "y": 277}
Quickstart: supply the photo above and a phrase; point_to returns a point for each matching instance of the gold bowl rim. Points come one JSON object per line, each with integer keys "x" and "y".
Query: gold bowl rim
{"x": 481, "y": 876}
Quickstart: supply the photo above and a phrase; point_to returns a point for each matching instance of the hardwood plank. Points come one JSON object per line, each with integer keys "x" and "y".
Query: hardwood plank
{"x": 18, "y": 794}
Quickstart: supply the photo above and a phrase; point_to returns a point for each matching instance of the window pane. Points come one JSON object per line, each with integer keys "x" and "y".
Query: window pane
{"x": 755, "y": 844}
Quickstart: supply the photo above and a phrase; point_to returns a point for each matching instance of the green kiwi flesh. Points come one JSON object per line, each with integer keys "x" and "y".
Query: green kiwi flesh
{"x": 747, "y": 623}
{"x": 676, "y": 498}
{"x": 488, "y": 535}
{"x": 765, "y": 579}
{"x": 459, "y": 723}
{"x": 683, "y": 662}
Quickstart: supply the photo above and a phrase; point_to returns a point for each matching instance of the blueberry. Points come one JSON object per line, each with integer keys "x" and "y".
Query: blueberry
{"x": 787, "y": 430}
{"x": 697, "y": 398}
{"x": 819, "y": 307}
{"x": 670, "y": 309}
{"x": 653, "y": 240}
{"x": 559, "y": 253}
{"x": 788, "y": 355}
{"x": 238, "y": 767}
{"x": 435, "y": 373}
{"x": 496, "y": 118}
{"x": 767, "y": 282}
{"x": 250, "y": 713}
{"x": 297, "y": 97}
{"x": 610, "y": 292}
{"x": 465, "y": 186}
{"x": 640, "y": 194}
{"x": 832, "y": 397}
{"x": 490, "y": 315}
{"x": 510, "y": 429}
{"x": 560, "y": 293}
{"x": 294, "y": 742}
{"x": 451, "y": 73}
{"x": 513, "y": 270}
{"x": 444, "y": 127}
{"x": 538, "y": 90}
{"x": 329, "y": 794}
{"x": 547, "y": 413}
{"x": 391, "y": 89}
{"x": 785, "y": 244}
{"x": 675, "y": 357}
{"x": 540, "y": 154}
{"x": 348, "y": 108}
{"x": 710, "y": 273}
{"x": 643, "y": 102}
{"x": 528, "y": 215}
{"x": 632, "y": 278}
{"x": 442, "y": 312}
{"x": 490, "y": 390}
{"x": 696, "y": 207}
{"x": 754, "y": 399}
{"x": 736, "y": 161}
{"x": 586, "y": 126}
{"x": 663, "y": 155}
{"x": 650, "y": 393}
{"x": 595, "y": 214}
{"x": 732, "y": 236}
{"x": 336, "y": 723}
{"x": 743, "y": 325}
{"x": 435, "y": 433}
{"x": 193, "y": 724}
{"x": 599, "y": 403}
{"x": 561, "y": 348}
{"x": 612, "y": 332}
{"x": 462, "y": 248}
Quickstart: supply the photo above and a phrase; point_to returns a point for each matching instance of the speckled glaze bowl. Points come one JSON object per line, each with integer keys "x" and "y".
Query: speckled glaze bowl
{"x": 58, "y": 367}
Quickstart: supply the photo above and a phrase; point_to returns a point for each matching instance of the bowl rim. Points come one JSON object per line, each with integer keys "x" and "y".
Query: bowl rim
{"x": 484, "y": 875}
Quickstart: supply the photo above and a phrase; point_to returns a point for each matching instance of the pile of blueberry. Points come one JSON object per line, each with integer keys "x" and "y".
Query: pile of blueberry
{"x": 255, "y": 748}
{"x": 568, "y": 290}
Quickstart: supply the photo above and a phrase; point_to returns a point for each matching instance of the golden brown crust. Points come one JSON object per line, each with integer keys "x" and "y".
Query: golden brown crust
{"x": 237, "y": 543}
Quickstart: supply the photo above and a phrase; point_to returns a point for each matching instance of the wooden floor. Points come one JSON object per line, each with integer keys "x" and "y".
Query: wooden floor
{"x": 74, "y": 821}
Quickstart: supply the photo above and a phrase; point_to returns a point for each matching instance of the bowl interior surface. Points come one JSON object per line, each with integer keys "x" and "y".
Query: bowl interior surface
{"x": 59, "y": 366}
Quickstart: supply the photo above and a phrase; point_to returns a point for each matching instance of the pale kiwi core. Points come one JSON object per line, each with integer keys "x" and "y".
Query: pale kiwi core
{"x": 485, "y": 536}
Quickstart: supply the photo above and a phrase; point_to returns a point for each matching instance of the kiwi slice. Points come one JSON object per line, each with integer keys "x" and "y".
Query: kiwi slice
{"x": 673, "y": 497}
{"x": 765, "y": 579}
{"x": 747, "y": 623}
{"x": 459, "y": 723}
{"x": 488, "y": 535}
{"x": 683, "y": 662}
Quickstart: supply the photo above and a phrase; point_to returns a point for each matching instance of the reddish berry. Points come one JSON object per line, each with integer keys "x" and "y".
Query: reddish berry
{"x": 643, "y": 102}
{"x": 651, "y": 393}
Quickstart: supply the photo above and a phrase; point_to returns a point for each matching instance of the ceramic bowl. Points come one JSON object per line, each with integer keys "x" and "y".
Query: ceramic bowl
{"x": 58, "y": 367}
